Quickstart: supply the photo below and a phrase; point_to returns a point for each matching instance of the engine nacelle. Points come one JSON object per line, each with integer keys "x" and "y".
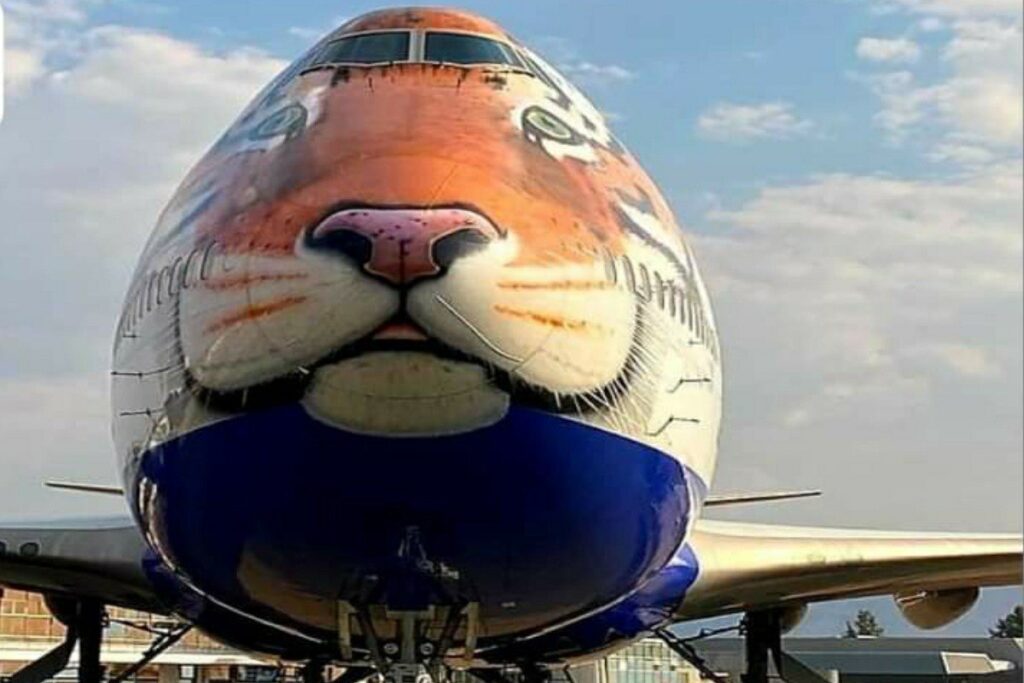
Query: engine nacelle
{"x": 791, "y": 616}
{"x": 933, "y": 609}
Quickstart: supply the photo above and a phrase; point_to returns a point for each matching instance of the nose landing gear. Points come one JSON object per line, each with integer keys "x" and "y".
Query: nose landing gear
{"x": 422, "y": 604}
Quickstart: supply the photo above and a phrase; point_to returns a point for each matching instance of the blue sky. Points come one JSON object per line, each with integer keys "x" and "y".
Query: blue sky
{"x": 849, "y": 172}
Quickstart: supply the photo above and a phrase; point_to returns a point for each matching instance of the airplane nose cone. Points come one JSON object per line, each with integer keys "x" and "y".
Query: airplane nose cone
{"x": 402, "y": 246}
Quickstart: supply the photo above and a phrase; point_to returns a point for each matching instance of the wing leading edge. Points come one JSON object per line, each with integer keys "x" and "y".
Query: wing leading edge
{"x": 99, "y": 558}
{"x": 751, "y": 567}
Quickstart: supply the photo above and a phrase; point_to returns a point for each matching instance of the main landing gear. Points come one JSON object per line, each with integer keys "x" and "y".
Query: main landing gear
{"x": 762, "y": 633}
{"x": 85, "y": 621}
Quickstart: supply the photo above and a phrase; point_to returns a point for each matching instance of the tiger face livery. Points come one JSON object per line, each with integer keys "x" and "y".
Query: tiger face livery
{"x": 407, "y": 245}
{"x": 417, "y": 330}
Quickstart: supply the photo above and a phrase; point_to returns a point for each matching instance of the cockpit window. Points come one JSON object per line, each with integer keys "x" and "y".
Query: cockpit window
{"x": 367, "y": 48}
{"x": 459, "y": 48}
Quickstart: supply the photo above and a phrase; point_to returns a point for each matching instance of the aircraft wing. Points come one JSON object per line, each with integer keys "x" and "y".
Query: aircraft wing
{"x": 99, "y": 558}
{"x": 752, "y": 567}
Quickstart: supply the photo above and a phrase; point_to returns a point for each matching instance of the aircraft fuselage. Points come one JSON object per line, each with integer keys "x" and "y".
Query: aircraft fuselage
{"x": 418, "y": 335}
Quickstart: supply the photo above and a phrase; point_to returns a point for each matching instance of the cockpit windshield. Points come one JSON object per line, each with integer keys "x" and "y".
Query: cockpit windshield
{"x": 385, "y": 47}
{"x": 460, "y": 48}
{"x": 367, "y": 48}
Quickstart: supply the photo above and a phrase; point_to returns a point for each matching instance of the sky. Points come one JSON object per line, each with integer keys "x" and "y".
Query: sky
{"x": 848, "y": 172}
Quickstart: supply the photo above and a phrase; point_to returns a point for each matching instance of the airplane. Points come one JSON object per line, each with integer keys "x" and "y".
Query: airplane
{"x": 417, "y": 373}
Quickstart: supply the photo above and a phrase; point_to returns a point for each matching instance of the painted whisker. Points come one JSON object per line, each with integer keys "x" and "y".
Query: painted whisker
{"x": 254, "y": 311}
{"x": 549, "y": 320}
{"x": 580, "y": 285}
{"x": 242, "y": 281}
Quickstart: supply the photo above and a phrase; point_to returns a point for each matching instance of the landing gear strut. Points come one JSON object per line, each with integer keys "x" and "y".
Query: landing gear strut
{"x": 683, "y": 648}
{"x": 90, "y": 636}
{"x": 162, "y": 640}
{"x": 84, "y": 620}
{"x": 763, "y": 633}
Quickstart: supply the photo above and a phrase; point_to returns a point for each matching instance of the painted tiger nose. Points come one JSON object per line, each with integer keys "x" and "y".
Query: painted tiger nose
{"x": 402, "y": 246}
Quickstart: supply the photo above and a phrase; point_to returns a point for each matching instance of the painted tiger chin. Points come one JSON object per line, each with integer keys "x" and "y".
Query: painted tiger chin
{"x": 411, "y": 322}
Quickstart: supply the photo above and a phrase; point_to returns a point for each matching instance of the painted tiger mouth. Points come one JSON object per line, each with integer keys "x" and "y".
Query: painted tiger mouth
{"x": 400, "y": 328}
{"x": 402, "y": 334}
{"x": 397, "y": 336}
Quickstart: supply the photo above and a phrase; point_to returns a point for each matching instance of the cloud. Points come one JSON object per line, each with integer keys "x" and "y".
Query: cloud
{"x": 745, "y": 122}
{"x": 154, "y": 74}
{"x": 845, "y": 262}
{"x": 55, "y": 429}
{"x": 92, "y": 146}
{"x": 596, "y": 74}
{"x": 931, "y": 24}
{"x": 73, "y": 11}
{"x": 867, "y": 320}
{"x": 953, "y": 8}
{"x": 305, "y": 33}
{"x": 888, "y": 50}
{"x": 962, "y": 154}
{"x": 967, "y": 361}
{"x": 564, "y": 55}
{"x": 980, "y": 105}
{"x": 21, "y": 68}
{"x": 308, "y": 34}
{"x": 31, "y": 30}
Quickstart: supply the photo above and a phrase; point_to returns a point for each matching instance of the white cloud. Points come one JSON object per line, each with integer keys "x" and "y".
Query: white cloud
{"x": 987, "y": 96}
{"x": 872, "y": 331}
{"x": 962, "y": 154}
{"x": 844, "y": 263}
{"x": 954, "y": 8}
{"x": 305, "y": 32}
{"x": 152, "y": 73}
{"x": 966, "y": 361}
{"x": 586, "y": 72}
{"x": 564, "y": 55}
{"x": 888, "y": 50}
{"x": 980, "y": 105}
{"x": 308, "y": 34}
{"x": 906, "y": 105}
{"x": 21, "y": 68}
{"x": 744, "y": 122}
{"x": 90, "y": 154}
{"x": 48, "y": 10}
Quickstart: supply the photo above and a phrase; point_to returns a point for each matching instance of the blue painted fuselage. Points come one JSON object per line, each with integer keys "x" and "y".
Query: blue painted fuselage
{"x": 278, "y": 518}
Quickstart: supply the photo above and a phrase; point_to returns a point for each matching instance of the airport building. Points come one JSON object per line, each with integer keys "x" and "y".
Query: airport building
{"x": 27, "y": 631}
